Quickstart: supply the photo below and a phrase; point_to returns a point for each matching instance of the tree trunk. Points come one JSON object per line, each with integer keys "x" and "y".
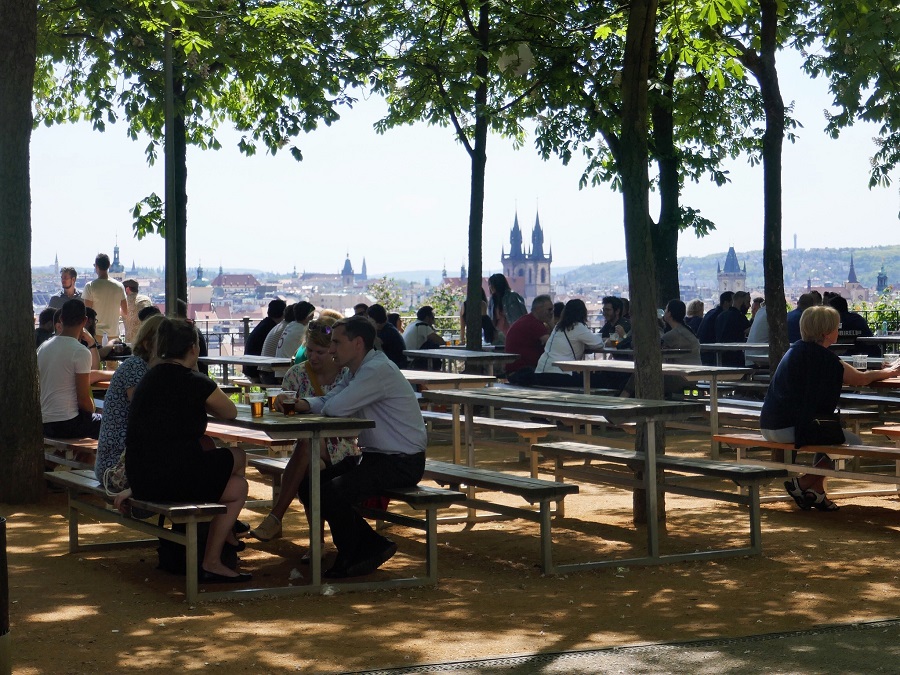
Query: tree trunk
{"x": 635, "y": 198}
{"x": 20, "y": 424}
{"x": 665, "y": 232}
{"x": 773, "y": 142}
{"x": 476, "y": 199}
{"x": 181, "y": 192}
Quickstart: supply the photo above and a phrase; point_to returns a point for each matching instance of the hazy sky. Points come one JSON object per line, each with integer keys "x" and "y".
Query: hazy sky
{"x": 401, "y": 199}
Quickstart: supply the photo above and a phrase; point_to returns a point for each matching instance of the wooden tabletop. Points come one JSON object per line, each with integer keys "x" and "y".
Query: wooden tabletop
{"x": 686, "y": 370}
{"x": 880, "y": 339}
{"x": 299, "y": 425}
{"x": 437, "y": 377}
{"x": 461, "y": 355}
{"x": 732, "y": 346}
{"x": 247, "y": 360}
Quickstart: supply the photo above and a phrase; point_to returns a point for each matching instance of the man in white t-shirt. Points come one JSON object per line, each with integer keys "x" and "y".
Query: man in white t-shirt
{"x": 420, "y": 334}
{"x": 67, "y": 405}
{"x": 136, "y": 302}
{"x": 107, "y": 297}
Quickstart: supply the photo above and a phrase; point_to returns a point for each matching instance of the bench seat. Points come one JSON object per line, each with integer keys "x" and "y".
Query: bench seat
{"x": 602, "y": 465}
{"x": 75, "y": 453}
{"x": 529, "y": 432}
{"x": 532, "y": 490}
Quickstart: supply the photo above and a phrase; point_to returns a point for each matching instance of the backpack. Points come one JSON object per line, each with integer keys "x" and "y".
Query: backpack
{"x": 173, "y": 556}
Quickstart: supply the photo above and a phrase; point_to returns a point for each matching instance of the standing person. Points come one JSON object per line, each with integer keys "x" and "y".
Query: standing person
{"x": 136, "y": 302}
{"x": 393, "y": 453}
{"x": 567, "y": 342}
{"x": 64, "y": 367}
{"x": 107, "y": 297}
{"x": 505, "y": 307}
{"x": 67, "y": 277}
{"x": 694, "y": 315}
{"x": 707, "y": 331}
{"x": 257, "y": 337}
{"x": 806, "y": 388}
{"x": 314, "y": 377}
{"x": 528, "y": 335}
{"x": 392, "y": 342}
{"x": 732, "y": 325}
{"x": 111, "y": 442}
{"x": 168, "y": 457}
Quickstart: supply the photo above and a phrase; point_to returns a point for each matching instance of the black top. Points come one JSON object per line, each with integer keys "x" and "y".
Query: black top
{"x": 255, "y": 341}
{"x": 806, "y": 386}
{"x": 392, "y": 344}
{"x": 731, "y": 326}
{"x": 852, "y": 326}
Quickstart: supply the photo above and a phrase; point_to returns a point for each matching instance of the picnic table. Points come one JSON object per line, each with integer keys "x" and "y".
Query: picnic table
{"x": 882, "y": 341}
{"x": 616, "y": 409}
{"x": 447, "y": 354}
{"x": 244, "y": 360}
{"x": 692, "y": 373}
{"x": 438, "y": 379}
{"x": 315, "y": 428}
{"x": 721, "y": 347}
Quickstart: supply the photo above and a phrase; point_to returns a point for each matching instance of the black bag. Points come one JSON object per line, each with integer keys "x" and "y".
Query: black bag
{"x": 173, "y": 556}
{"x": 820, "y": 431}
{"x": 523, "y": 377}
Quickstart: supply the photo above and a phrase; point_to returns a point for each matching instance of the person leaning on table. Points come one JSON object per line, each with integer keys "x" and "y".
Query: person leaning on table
{"x": 807, "y": 386}
{"x": 393, "y": 453}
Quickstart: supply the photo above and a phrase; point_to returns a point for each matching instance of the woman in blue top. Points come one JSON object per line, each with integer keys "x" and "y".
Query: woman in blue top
{"x": 807, "y": 386}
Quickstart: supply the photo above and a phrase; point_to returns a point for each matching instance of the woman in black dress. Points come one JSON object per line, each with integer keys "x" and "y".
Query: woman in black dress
{"x": 168, "y": 457}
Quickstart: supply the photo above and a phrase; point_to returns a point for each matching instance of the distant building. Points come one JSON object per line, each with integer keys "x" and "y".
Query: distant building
{"x": 881, "y": 285}
{"x": 349, "y": 277}
{"x": 851, "y": 289}
{"x": 235, "y": 283}
{"x": 117, "y": 269}
{"x": 732, "y": 277}
{"x": 528, "y": 273}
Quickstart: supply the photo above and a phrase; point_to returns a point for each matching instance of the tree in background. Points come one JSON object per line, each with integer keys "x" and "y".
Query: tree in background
{"x": 20, "y": 424}
{"x": 386, "y": 293}
{"x": 446, "y": 300}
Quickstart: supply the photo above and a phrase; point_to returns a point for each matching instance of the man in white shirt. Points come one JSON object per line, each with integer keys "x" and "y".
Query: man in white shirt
{"x": 136, "y": 302}
{"x": 107, "y": 297}
{"x": 393, "y": 453}
{"x": 64, "y": 364}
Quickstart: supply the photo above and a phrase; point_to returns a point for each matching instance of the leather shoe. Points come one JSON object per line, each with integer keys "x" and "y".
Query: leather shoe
{"x": 338, "y": 570}
{"x": 372, "y": 559}
{"x": 213, "y": 578}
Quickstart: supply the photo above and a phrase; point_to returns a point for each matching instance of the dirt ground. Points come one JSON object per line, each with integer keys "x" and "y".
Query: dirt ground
{"x": 109, "y": 612}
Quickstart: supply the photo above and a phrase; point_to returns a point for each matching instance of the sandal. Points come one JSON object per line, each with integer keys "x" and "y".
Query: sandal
{"x": 820, "y": 501}
{"x": 799, "y": 494}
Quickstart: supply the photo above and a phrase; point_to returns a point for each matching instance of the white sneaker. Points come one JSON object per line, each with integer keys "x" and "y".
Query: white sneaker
{"x": 268, "y": 529}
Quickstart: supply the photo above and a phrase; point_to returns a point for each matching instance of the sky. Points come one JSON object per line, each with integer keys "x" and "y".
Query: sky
{"x": 401, "y": 199}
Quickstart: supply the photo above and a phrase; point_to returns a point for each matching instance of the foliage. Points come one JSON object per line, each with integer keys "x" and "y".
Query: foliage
{"x": 386, "y": 293}
{"x": 446, "y": 300}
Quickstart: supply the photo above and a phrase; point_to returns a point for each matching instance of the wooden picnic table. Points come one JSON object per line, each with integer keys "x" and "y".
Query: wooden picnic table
{"x": 721, "y": 347}
{"x": 617, "y": 410}
{"x": 692, "y": 373}
{"x": 315, "y": 428}
{"x": 438, "y": 379}
{"x": 244, "y": 360}
{"x": 447, "y": 354}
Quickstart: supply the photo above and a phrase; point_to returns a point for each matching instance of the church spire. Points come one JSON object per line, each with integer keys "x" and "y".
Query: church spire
{"x": 851, "y": 277}
{"x": 515, "y": 240}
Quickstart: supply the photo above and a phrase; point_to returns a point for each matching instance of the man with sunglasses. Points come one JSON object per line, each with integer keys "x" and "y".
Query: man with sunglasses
{"x": 393, "y": 453}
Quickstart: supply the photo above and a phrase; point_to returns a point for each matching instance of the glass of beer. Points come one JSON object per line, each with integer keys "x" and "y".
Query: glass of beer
{"x": 257, "y": 399}
{"x": 860, "y": 362}
{"x": 288, "y": 399}
{"x": 272, "y": 394}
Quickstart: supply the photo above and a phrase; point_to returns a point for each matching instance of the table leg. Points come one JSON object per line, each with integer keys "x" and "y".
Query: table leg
{"x": 315, "y": 516}
{"x": 714, "y": 415}
{"x": 470, "y": 454}
{"x": 587, "y": 382}
{"x": 457, "y": 436}
{"x": 650, "y": 483}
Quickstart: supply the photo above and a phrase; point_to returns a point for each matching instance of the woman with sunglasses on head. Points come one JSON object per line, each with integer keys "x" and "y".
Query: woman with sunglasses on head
{"x": 313, "y": 377}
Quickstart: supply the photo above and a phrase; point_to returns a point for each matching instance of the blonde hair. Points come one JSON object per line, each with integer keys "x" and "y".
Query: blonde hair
{"x": 695, "y": 308}
{"x": 817, "y": 322}
{"x": 318, "y": 332}
{"x": 145, "y": 340}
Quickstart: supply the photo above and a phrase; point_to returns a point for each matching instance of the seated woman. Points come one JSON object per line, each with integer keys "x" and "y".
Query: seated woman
{"x": 313, "y": 377}
{"x": 806, "y": 387}
{"x": 118, "y": 397}
{"x": 169, "y": 458}
{"x": 567, "y": 342}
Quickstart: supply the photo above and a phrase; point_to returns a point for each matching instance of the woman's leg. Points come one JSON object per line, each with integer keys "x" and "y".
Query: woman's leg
{"x": 295, "y": 471}
{"x": 234, "y": 496}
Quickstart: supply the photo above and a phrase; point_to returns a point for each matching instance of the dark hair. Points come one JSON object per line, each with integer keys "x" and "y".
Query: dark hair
{"x": 68, "y": 270}
{"x": 90, "y": 313}
{"x": 377, "y": 313}
{"x": 614, "y": 301}
{"x": 46, "y": 315}
{"x": 806, "y": 301}
{"x": 359, "y": 327}
{"x": 102, "y": 261}
{"x": 175, "y": 337}
{"x": 132, "y": 284}
{"x": 360, "y": 308}
{"x": 574, "y": 312}
{"x": 302, "y": 310}
{"x": 558, "y": 308}
{"x": 394, "y": 319}
{"x": 288, "y": 314}
{"x": 147, "y": 312}
{"x": 72, "y": 312}
{"x": 57, "y": 316}
{"x": 839, "y": 303}
{"x": 501, "y": 288}
{"x": 276, "y": 308}
{"x": 677, "y": 310}
{"x": 424, "y": 312}
{"x": 727, "y": 296}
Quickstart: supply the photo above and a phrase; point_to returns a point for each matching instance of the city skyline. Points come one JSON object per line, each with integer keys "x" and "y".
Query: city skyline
{"x": 401, "y": 200}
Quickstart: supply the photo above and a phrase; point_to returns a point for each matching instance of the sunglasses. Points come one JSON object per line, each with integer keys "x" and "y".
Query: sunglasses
{"x": 319, "y": 327}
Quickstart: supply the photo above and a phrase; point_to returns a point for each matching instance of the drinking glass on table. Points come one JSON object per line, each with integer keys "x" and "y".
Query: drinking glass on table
{"x": 257, "y": 399}
{"x": 272, "y": 394}
{"x": 860, "y": 362}
{"x": 288, "y": 400}
{"x": 889, "y": 360}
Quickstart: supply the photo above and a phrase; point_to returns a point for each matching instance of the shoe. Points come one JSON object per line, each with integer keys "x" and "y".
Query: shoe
{"x": 240, "y": 528}
{"x": 372, "y": 559}
{"x": 238, "y": 547}
{"x": 338, "y": 570}
{"x": 213, "y": 578}
{"x": 268, "y": 529}
{"x": 799, "y": 494}
{"x": 820, "y": 501}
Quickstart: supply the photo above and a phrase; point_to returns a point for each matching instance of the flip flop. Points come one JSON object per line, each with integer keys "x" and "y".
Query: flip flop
{"x": 820, "y": 501}
{"x": 799, "y": 494}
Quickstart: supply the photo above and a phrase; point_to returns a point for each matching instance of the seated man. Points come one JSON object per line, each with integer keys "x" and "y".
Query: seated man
{"x": 852, "y": 326}
{"x": 257, "y": 337}
{"x": 64, "y": 364}
{"x": 528, "y": 335}
{"x": 393, "y": 453}
{"x": 805, "y": 301}
{"x": 706, "y": 333}
{"x": 44, "y": 331}
{"x": 420, "y": 334}
{"x": 732, "y": 325}
{"x": 392, "y": 343}
{"x": 613, "y": 309}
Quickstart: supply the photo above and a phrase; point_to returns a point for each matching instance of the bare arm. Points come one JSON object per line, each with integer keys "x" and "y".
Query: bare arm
{"x": 219, "y": 405}
{"x": 123, "y": 306}
{"x": 434, "y": 338}
{"x": 83, "y": 391}
{"x": 857, "y": 378}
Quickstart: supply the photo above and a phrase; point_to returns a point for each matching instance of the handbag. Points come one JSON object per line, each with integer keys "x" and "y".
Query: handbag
{"x": 818, "y": 431}
{"x": 114, "y": 478}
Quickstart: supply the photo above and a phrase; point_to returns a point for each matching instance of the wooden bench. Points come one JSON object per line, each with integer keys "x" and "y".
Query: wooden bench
{"x": 783, "y": 455}
{"x": 890, "y": 430}
{"x": 886, "y": 405}
{"x": 88, "y": 497}
{"x": 532, "y": 490}
{"x": 75, "y": 453}
{"x": 597, "y": 464}
{"x": 574, "y": 426}
{"x": 740, "y": 410}
{"x": 530, "y": 432}
{"x": 419, "y": 498}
